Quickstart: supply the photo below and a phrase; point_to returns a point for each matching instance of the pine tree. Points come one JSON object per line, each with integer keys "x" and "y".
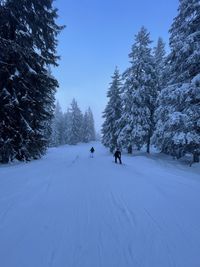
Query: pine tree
{"x": 126, "y": 121}
{"x": 76, "y": 122}
{"x": 184, "y": 42}
{"x": 178, "y": 130}
{"x": 28, "y": 43}
{"x": 88, "y": 126}
{"x": 57, "y": 136}
{"x": 66, "y": 126}
{"x": 112, "y": 113}
{"x": 92, "y": 132}
{"x": 139, "y": 95}
{"x": 178, "y": 114}
{"x": 160, "y": 64}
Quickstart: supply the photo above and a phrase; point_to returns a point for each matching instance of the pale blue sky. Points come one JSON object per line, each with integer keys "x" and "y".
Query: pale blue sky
{"x": 99, "y": 36}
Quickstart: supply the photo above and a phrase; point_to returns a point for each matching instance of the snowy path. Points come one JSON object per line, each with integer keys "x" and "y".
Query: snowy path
{"x": 68, "y": 210}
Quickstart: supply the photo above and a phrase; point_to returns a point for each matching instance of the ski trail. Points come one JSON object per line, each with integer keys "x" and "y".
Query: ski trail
{"x": 125, "y": 212}
{"x": 70, "y": 210}
{"x": 4, "y": 214}
{"x": 52, "y": 258}
{"x": 100, "y": 246}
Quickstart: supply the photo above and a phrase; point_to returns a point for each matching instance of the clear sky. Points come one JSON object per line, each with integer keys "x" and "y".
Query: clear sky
{"x": 98, "y": 36}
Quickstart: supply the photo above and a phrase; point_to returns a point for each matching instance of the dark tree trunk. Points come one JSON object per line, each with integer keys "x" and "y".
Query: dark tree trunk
{"x": 130, "y": 150}
{"x": 4, "y": 158}
{"x": 148, "y": 144}
{"x": 196, "y": 157}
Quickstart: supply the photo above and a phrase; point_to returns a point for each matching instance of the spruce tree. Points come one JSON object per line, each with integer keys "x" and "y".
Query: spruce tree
{"x": 112, "y": 113}
{"x": 178, "y": 130}
{"x": 57, "y": 136}
{"x": 86, "y": 128}
{"x": 92, "y": 132}
{"x": 178, "y": 127}
{"x": 160, "y": 64}
{"x": 75, "y": 127}
{"x": 28, "y": 46}
{"x": 126, "y": 121}
{"x": 66, "y": 126}
{"x": 184, "y": 42}
{"x": 139, "y": 95}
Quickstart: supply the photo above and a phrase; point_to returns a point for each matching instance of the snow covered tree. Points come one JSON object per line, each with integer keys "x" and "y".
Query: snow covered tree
{"x": 178, "y": 115}
{"x": 139, "y": 95}
{"x": 57, "y": 136}
{"x": 92, "y": 132}
{"x": 178, "y": 126}
{"x": 88, "y": 126}
{"x": 160, "y": 63}
{"x": 112, "y": 113}
{"x": 76, "y": 124}
{"x": 72, "y": 127}
{"x": 126, "y": 121}
{"x": 66, "y": 126}
{"x": 28, "y": 43}
{"x": 184, "y": 42}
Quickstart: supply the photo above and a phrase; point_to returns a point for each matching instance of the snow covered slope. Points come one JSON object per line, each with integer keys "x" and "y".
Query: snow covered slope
{"x": 69, "y": 210}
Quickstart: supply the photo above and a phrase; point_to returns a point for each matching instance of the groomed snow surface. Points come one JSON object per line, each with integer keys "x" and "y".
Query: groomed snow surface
{"x": 70, "y": 210}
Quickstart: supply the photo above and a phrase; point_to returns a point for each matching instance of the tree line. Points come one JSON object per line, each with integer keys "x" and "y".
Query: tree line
{"x": 156, "y": 100}
{"x": 72, "y": 126}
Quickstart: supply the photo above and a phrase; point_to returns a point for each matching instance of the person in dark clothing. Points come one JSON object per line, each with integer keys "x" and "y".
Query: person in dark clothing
{"x": 92, "y": 152}
{"x": 117, "y": 155}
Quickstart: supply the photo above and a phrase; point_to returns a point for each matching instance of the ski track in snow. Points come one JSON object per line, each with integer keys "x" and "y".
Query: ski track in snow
{"x": 70, "y": 210}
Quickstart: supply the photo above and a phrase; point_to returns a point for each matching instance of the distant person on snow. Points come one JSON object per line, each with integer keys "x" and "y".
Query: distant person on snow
{"x": 92, "y": 152}
{"x": 117, "y": 155}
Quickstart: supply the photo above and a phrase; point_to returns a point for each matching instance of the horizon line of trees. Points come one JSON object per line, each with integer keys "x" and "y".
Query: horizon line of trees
{"x": 72, "y": 126}
{"x": 156, "y": 101}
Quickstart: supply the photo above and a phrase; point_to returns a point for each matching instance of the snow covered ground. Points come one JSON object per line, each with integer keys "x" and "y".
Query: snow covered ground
{"x": 69, "y": 210}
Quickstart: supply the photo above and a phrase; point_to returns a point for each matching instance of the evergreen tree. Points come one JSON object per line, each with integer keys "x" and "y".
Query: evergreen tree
{"x": 178, "y": 115}
{"x": 139, "y": 95}
{"x": 28, "y": 43}
{"x": 160, "y": 64}
{"x": 126, "y": 122}
{"x": 76, "y": 122}
{"x": 112, "y": 113}
{"x": 57, "y": 136}
{"x": 66, "y": 126}
{"x": 184, "y": 42}
{"x": 92, "y": 133}
{"x": 72, "y": 127}
{"x": 86, "y": 128}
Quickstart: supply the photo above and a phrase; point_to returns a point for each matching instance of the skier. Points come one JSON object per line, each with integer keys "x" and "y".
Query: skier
{"x": 117, "y": 155}
{"x": 92, "y": 152}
